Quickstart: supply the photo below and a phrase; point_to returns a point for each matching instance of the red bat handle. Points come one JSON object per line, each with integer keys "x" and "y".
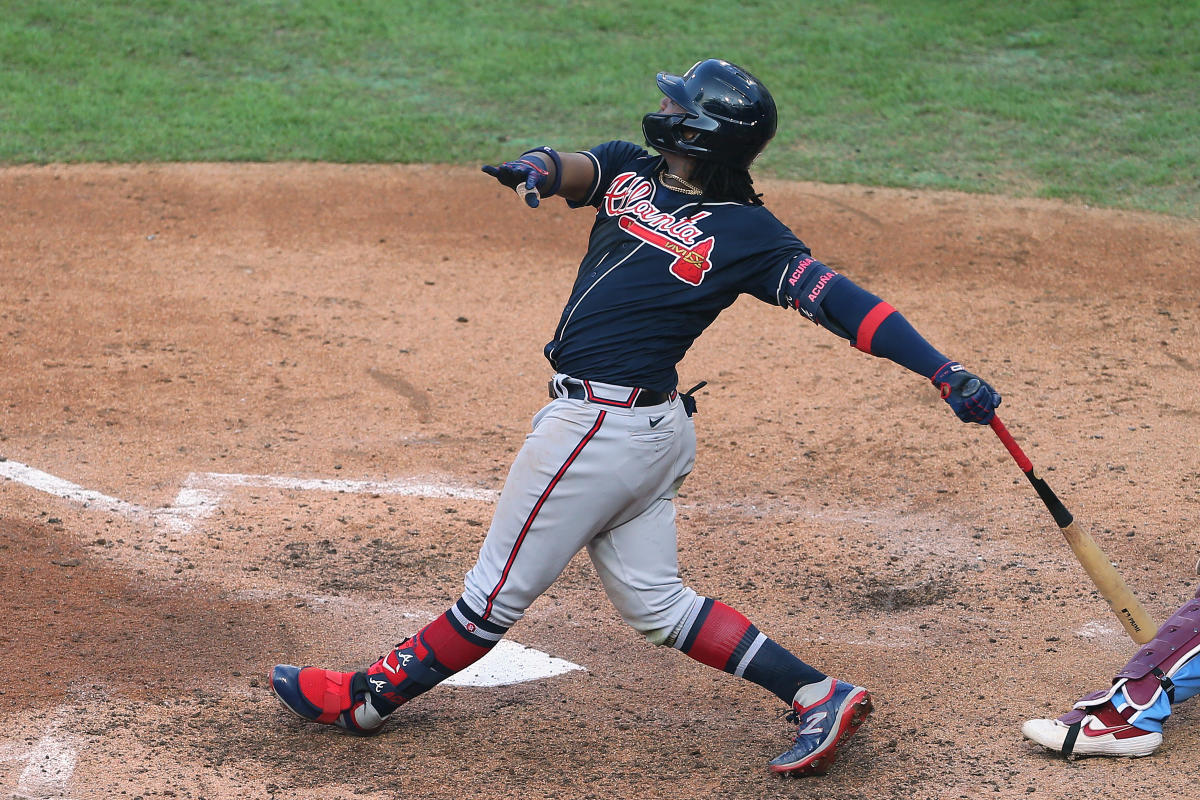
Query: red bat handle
{"x": 1014, "y": 449}
{"x": 1055, "y": 506}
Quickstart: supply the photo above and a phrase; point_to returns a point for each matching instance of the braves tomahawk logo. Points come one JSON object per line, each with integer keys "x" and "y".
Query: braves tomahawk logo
{"x": 396, "y": 661}
{"x": 627, "y": 200}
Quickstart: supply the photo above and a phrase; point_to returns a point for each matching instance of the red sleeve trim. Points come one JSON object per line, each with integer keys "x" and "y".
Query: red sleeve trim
{"x": 870, "y": 324}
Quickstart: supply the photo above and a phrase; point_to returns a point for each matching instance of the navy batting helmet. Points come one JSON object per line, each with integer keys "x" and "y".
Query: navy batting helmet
{"x": 729, "y": 116}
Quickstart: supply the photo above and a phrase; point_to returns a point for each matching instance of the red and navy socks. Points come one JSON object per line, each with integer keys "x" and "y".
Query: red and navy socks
{"x": 723, "y": 638}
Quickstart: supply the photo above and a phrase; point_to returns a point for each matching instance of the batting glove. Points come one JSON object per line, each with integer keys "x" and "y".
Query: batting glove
{"x": 525, "y": 176}
{"x": 972, "y": 399}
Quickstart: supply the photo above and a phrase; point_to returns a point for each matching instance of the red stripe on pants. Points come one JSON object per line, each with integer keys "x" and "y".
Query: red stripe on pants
{"x": 487, "y": 611}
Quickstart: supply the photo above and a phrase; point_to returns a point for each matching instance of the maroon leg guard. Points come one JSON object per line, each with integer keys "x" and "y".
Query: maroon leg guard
{"x": 1149, "y": 672}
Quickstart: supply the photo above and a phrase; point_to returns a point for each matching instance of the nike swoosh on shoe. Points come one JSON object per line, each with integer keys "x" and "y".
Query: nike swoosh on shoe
{"x": 1088, "y": 730}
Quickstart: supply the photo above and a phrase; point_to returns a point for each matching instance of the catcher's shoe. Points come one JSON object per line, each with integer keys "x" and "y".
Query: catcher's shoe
{"x": 1103, "y": 731}
{"x": 826, "y": 714}
{"x": 332, "y": 698}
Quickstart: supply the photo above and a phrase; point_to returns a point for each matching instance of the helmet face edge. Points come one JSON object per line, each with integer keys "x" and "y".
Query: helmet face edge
{"x": 730, "y": 116}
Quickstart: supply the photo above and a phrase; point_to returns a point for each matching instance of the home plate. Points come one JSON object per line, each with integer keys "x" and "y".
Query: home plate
{"x": 509, "y": 662}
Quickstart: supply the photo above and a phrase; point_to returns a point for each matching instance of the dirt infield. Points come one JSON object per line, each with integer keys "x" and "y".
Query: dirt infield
{"x": 255, "y": 413}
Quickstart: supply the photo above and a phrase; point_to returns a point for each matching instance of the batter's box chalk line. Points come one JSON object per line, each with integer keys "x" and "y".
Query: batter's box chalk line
{"x": 202, "y": 492}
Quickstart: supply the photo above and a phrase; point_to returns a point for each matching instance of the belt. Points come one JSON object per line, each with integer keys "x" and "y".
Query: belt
{"x": 578, "y": 390}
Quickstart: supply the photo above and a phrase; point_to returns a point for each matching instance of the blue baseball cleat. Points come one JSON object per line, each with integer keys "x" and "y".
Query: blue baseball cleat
{"x": 328, "y": 697}
{"x": 826, "y": 714}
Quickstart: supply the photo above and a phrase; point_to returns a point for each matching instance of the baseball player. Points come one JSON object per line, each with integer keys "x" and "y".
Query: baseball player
{"x": 1126, "y": 719}
{"x": 678, "y": 236}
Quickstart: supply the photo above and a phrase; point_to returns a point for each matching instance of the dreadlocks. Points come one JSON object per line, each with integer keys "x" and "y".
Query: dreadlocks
{"x": 725, "y": 184}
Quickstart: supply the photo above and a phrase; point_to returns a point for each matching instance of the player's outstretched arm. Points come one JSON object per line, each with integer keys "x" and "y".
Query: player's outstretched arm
{"x": 544, "y": 172}
{"x": 835, "y": 302}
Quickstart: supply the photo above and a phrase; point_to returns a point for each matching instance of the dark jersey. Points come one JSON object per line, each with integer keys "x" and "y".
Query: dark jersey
{"x": 660, "y": 266}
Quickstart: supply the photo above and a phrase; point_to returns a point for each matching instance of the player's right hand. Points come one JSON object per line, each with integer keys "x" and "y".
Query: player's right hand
{"x": 526, "y": 177}
{"x": 971, "y": 397}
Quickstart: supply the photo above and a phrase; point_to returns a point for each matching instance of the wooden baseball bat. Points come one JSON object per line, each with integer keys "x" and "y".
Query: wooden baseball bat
{"x": 1129, "y": 610}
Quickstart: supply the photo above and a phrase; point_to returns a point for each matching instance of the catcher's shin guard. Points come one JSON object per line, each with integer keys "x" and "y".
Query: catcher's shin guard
{"x": 1144, "y": 690}
{"x": 1149, "y": 672}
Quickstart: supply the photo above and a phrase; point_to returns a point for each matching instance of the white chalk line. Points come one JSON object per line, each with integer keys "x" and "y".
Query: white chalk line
{"x": 45, "y": 482}
{"x": 1096, "y": 630}
{"x": 509, "y": 662}
{"x": 406, "y": 487}
{"x": 202, "y": 492}
{"x": 49, "y": 763}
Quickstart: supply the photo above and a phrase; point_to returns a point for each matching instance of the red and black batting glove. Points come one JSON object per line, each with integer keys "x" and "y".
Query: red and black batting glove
{"x": 524, "y": 176}
{"x": 972, "y": 399}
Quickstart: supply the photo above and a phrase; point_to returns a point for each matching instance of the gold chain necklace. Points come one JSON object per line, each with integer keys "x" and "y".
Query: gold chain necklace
{"x": 686, "y": 188}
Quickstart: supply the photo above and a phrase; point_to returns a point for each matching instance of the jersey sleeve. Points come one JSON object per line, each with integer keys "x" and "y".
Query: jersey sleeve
{"x": 786, "y": 274}
{"x": 610, "y": 160}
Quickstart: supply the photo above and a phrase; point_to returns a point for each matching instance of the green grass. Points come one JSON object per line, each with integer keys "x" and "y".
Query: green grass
{"x": 1095, "y": 101}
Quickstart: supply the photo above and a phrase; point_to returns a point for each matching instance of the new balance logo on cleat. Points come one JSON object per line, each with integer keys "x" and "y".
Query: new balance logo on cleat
{"x": 814, "y": 723}
{"x": 826, "y": 714}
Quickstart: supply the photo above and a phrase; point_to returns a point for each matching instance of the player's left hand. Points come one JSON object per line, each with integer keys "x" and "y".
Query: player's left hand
{"x": 525, "y": 176}
{"x": 971, "y": 397}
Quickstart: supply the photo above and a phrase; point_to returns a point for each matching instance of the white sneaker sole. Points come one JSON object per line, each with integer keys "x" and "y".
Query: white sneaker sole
{"x": 1050, "y": 733}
